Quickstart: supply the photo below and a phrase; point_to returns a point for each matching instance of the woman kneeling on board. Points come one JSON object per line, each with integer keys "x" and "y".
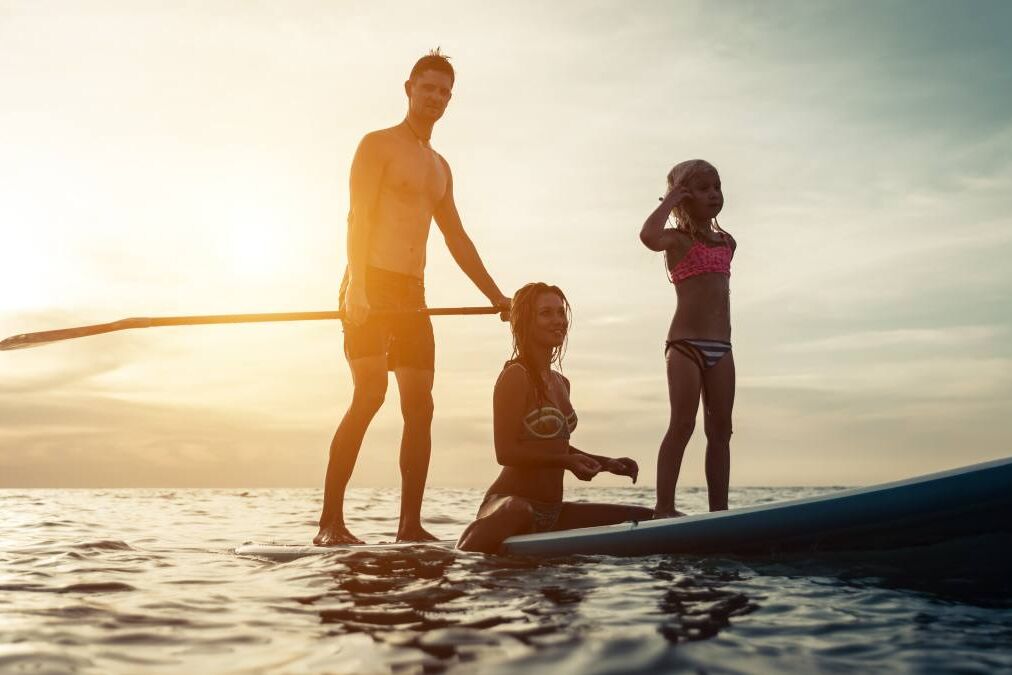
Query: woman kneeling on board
{"x": 533, "y": 418}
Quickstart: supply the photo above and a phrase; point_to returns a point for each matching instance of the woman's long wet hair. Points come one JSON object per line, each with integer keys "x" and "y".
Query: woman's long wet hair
{"x": 522, "y": 318}
{"x": 680, "y": 175}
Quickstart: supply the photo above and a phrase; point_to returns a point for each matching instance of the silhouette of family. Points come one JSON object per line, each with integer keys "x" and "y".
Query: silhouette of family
{"x": 399, "y": 184}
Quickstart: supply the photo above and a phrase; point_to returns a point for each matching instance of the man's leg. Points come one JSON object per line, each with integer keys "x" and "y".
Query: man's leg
{"x": 369, "y": 375}
{"x": 415, "y": 387}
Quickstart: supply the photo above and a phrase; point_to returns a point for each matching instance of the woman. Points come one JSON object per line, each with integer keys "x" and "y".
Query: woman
{"x": 533, "y": 419}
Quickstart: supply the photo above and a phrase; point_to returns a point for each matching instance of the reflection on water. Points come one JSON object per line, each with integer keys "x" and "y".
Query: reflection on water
{"x": 969, "y": 570}
{"x": 698, "y": 605}
{"x": 142, "y": 581}
{"x": 459, "y": 607}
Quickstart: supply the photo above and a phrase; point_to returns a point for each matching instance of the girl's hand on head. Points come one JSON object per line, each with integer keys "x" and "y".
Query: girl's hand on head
{"x": 676, "y": 195}
{"x": 624, "y": 466}
{"x": 583, "y": 467}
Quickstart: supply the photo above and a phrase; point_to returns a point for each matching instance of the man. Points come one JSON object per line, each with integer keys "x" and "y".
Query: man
{"x": 398, "y": 185}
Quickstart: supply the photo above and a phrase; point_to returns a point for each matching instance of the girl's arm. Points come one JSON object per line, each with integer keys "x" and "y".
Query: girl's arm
{"x": 654, "y": 235}
{"x": 508, "y": 410}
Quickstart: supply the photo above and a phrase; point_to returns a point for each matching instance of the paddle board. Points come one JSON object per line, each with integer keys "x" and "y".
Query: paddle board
{"x": 288, "y": 552}
{"x": 961, "y": 502}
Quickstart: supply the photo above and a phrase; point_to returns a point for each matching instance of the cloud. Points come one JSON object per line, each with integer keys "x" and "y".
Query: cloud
{"x": 867, "y": 189}
{"x": 959, "y": 337}
{"x": 77, "y": 441}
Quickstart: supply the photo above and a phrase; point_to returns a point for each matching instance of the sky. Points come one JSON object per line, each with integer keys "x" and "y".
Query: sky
{"x": 161, "y": 158}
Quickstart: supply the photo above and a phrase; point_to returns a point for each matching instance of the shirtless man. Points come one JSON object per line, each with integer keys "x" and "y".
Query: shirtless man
{"x": 398, "y": 185}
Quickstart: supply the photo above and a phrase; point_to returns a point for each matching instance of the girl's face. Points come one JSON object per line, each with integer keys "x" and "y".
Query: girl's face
{"x": 550, "y": 322}
{"x": 706, "y": 199}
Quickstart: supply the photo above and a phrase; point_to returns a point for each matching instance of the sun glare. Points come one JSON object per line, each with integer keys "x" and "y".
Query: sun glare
{"x": 253, "y": 254}
{"x": 254, "y": 247}
{"x": 28, "y": 275}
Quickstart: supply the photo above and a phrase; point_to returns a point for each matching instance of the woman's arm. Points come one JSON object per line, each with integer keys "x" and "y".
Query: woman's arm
{"x": 600, "y": 459}
{"x": 620, "y": 466}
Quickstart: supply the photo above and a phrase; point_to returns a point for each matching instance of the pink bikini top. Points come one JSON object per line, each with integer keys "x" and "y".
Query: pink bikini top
{"x": 703, "y": 259}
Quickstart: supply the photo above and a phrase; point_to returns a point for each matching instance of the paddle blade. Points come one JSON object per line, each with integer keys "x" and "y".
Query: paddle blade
{"x": 26, "y": 340}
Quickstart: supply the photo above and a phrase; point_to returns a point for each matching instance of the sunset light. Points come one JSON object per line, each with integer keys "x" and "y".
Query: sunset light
{"x": 525, "y": 337}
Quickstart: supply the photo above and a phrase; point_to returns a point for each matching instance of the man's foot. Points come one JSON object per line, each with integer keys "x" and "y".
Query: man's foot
{"x": 414, "y": 533}
{"x": 667, "y": 513}
{"x": 335, "y": 535}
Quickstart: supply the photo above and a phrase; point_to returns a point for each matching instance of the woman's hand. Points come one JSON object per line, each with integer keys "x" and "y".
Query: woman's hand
{"x": 582, "y": 466}
{"x": 623, "y": 466}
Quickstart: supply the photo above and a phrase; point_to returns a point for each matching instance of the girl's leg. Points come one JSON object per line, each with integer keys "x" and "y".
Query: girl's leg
{"x": 497, "y": 520}
{"x": 718, "y": 400}
{"x": 684, "y": 384}
{"x": 580, "y": 514}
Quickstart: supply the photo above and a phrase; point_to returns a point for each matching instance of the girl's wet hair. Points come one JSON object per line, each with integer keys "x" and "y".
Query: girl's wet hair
{"x": 680, "y": 176}
{"x": 523, "y": 314}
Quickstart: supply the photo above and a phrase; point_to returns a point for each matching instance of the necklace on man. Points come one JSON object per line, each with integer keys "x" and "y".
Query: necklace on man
{"x": 424, "y": 142}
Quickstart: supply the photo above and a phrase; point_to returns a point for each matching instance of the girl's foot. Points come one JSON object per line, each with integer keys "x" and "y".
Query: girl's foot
{"x": 667, "y": 513}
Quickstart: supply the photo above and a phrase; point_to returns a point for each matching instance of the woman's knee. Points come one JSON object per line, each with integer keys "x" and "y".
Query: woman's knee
{"x": 638, "y": 513}
{"x": 517, "y": 509}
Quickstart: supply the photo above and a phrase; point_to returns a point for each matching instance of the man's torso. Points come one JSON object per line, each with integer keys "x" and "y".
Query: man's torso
{"x": 414, "y": 181}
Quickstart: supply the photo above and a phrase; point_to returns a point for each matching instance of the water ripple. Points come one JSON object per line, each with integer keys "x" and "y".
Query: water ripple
{"x": 146, "y": 584}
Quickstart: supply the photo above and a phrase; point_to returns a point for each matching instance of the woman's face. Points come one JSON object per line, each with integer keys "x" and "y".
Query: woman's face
{"x": 706, "y": 199}
{"x": 550, "y": 322}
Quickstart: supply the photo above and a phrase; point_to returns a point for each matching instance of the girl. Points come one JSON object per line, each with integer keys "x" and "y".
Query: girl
{"x": 532, "y": 419}
{"x": 698, "y": 349}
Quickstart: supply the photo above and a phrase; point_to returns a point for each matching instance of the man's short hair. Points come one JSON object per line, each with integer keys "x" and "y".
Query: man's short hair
{"x": 434, "y": 60}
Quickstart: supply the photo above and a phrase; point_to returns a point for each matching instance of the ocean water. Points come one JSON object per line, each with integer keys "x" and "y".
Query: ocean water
{"x": 145, "y": 581}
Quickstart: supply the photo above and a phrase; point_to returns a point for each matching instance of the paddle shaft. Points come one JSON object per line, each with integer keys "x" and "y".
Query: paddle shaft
{"x": 45, "y": 337}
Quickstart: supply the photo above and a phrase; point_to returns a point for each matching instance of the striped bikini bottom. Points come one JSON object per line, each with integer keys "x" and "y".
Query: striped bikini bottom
{"x": 705, "y": 353}
{"x": 546, "y": 514}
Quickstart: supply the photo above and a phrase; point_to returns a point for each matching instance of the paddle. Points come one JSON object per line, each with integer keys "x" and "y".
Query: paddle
{"x": 45, "y": 337}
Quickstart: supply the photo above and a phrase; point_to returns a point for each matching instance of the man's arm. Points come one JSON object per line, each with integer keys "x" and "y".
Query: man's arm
{"x": 364, "y": 186}
{"x": 461, "y": 247}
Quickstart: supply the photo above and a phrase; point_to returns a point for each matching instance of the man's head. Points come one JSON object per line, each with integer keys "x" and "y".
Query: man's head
{"x": 430, "y": 85}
